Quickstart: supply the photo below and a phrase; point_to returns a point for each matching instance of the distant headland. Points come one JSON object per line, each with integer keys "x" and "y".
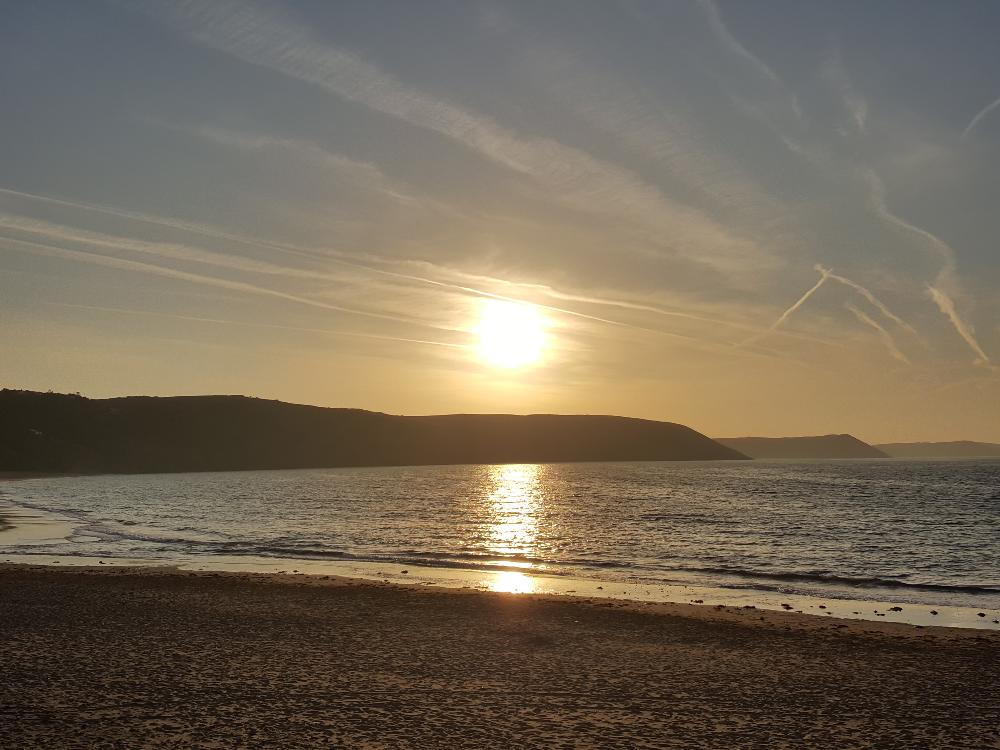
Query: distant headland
{"x": 137, "y": 434}
{"x": 814, "y": 446}
{"x": 952, "y": 449}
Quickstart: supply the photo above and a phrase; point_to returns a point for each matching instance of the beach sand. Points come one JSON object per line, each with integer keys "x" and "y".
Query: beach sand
{"x": 131, "y": 658}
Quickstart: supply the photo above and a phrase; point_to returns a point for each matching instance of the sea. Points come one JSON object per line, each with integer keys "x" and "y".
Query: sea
{"x": 857, "y": 534}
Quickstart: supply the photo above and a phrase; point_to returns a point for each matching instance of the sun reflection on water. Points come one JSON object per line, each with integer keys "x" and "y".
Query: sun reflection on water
{"x": 510, "y": 530}
{"x": 513, "y": 506}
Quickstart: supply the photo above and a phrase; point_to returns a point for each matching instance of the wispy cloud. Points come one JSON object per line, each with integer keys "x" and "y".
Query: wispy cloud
{"x": 835, "y": 71}
{"x": 884, "y": 335}
{"x": 570, "y": 176}
{"x": 164, "y": 250}
{"x": 946, "y": 283}
{"x": 875, "y": 302}
{"x": 659, "y": 130}
{"x": 256, "y": 324}
{"x": 124, "y": 264}
{"x": 979, "y": 117}
{"x": 736, "y": 48}
{"x": 734, "y": 45}
{"x": 947, "y": 306}
{"x": 360, "y": 173}
{"x": 940, "y": 249}
{"x": 187, "y": 253}
{"x": 327, "y": 255}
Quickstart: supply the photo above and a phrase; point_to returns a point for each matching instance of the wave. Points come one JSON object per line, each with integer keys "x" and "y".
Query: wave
{"x": 844, "y": 580}
{"x": 455, "y": 560}
{"x": 458, "y": 560}
{"x": 172, "y": 541}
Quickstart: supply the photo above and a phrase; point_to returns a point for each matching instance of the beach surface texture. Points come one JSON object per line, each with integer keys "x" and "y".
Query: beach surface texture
{"x": 135, "y": 658}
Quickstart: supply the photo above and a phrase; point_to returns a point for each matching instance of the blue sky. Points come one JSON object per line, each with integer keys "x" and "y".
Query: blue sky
{"x": 752, "y": 217}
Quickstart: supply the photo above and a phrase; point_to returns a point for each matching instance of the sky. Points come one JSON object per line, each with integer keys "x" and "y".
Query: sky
{"x": 753, "y": 218}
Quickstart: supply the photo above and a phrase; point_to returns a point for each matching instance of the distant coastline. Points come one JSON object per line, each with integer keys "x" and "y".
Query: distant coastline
{"x": 813, "y": 446}
{"x": 950, "y": 449}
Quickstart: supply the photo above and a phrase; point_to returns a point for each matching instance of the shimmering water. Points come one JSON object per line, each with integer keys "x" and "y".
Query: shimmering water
{"x": 920, "y": 531}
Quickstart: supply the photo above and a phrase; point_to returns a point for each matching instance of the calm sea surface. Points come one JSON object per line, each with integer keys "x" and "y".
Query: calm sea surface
{"x": 921, "y": 531}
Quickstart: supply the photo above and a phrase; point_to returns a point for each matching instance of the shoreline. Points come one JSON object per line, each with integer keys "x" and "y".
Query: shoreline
{"x": 748, "y": 615}
{"x": 32, "y": 528}
{"x": 123, "y": 657}
{"x": 529, "y": 584}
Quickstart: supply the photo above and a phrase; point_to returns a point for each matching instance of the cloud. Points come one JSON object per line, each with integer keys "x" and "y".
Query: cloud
{"x": 123, "y": 264}
{"x": 734, "y": 45}
{"x": 823, "y": 277}
{"x": 660, "y": 131}
{"x": 835, "y": 71}
{"x": 736, "y": 48}
{"x": 946, "y": 282}
{"x": 887, "y": 339}
{"x": 169, "y": 250}
{"x": 979, "y": 117}
{"x": 189, "y": 254}
{"x": 938, "y": 247}
{"x": 348, "y": 260}
{"x": 360, "y": 172}
{"x": 257, "y": 324}
{"x": 569, "y": 175}
{"x": 864, "y": 292}
{"x": 947, "y": 307}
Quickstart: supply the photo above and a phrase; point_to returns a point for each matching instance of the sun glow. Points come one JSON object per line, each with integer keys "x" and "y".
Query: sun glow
{"x": 511, "y": 334}
{"x": 512, "y": 582}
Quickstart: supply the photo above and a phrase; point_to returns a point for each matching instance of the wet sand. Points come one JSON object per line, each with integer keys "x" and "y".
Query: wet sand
{"x": 130, "y": 658}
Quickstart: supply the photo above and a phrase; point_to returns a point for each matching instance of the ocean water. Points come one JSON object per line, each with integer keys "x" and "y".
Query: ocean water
{"x": 910, "y": 531}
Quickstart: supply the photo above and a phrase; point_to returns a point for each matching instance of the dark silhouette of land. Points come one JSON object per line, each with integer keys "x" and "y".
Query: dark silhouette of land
{"x": 953, "y": 449}
{"x": 816, "y": 446}
{"x": 69, "y": 433}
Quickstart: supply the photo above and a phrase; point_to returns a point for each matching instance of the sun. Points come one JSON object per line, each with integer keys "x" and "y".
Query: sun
{"x": 511, "y": 334}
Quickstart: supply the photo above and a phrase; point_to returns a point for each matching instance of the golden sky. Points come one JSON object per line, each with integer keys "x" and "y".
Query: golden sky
{"x": 751, "y": 218}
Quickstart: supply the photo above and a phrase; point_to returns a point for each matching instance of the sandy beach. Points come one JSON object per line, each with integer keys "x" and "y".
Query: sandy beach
{"x": 159, "y": 658}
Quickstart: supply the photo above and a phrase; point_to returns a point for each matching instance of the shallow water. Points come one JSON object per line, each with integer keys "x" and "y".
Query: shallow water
{"x": 925, "y": 532}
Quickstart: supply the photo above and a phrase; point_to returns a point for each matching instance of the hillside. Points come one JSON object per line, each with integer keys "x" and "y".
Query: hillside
{"x": 817, "y": 446}
{"x": 69, "y": 433}
{"x": 953, "y": 449}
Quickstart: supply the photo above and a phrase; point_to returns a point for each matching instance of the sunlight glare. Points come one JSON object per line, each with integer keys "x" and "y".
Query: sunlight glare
{"x": 514, "y": 505}
{"x": 510, "y": 582}
{"x": 511, "y": 334}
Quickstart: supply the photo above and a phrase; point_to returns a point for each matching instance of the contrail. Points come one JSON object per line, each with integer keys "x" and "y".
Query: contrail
{"x": 877, "y": 202}
{"x": 122, "y": 264}
{"x": 736, "y": 46}
{"x": 886, "y": 337}
{"x": 212, "y": 233}
{"x": 185, "y": 253}
{"x": 824, "y": 275}
{"x": 569, "y": 175}
{"x": 866, "y": 293}
{"x": 947, "y": 306}
{"x": 556, "y": 294}
{"x": 976, "y": 120}
{"x": 222, "y": 321}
